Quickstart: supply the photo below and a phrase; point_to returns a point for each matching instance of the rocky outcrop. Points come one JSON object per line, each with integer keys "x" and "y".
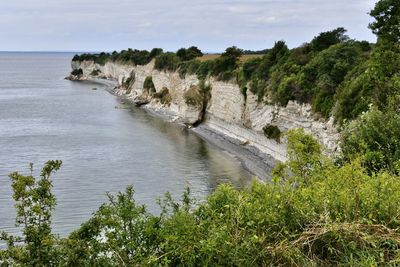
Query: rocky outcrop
{"x": 223, "y": 109}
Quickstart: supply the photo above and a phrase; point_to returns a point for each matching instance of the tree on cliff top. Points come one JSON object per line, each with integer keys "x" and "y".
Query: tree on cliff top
{"x": 387, "y": 20}
{"x": 231, "y": 56}
{"x": 155, "y": 52}
{"x": 326, "y": 39}
{"x": 189, "y": 53}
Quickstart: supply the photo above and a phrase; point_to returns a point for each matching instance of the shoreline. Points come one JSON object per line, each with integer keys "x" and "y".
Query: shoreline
{"x": 252, "y": 159}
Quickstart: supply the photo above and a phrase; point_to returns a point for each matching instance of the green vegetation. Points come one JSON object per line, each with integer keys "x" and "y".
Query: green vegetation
{"x": 155, "y": 52}
{"x": 374, "y": 81}
{"x": 130, "y": 56}
{"x": 313, "y": 213}
{"x": 77, "y": 72}
{"x": 189, "y": 54}
{"x": 188, "y": 67}
{"x": 327, "y": 39}
{"x": 34, "y": 204}
{"x": 387, "y": 19}
{"x": 272, "y": 132}
{"x": 374, "y": 137}
{"x": 149, "y": 85}
{"x": 167, "y": 61}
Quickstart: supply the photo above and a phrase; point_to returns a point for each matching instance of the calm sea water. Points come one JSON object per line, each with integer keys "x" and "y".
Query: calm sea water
{"x": 43, "y": 116}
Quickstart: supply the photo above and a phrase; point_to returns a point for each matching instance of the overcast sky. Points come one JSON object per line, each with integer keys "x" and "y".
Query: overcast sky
{"x": 213, "y": 25}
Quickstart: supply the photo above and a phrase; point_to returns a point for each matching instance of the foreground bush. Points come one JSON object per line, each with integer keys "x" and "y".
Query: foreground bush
{"x": 314, "y": 213}
{"x": 374, "y": 137}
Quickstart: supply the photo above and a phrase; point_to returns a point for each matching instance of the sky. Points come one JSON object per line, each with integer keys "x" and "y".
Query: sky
{"x": 212, "y": 25}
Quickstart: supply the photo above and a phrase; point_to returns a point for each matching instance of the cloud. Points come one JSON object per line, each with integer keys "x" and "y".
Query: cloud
{"x": 211, "y": 24}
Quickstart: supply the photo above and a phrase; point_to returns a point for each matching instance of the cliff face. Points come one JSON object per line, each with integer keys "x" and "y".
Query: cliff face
{"x": 226, "y": 111}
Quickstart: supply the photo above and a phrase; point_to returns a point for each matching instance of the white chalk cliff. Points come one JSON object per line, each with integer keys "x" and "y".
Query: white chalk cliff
{"x": 228, "y": 112}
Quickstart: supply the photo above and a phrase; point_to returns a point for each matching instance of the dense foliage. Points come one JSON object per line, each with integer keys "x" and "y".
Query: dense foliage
{"x": 387, "y": 20}
{"x": 374, "y": 136}
{"x": 189, "y": 53}
{"x": 167, "y": 61}
{"x": 130, "y": 56}
{"x": 77, "y": 72}
{"x": 314, "y": 213}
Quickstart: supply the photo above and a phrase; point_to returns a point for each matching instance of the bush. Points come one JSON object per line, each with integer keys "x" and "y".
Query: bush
{"x": 373, "y": 81}
{"x": 327, "y": 71}
{"x": 374, "y": 136}
{"x": 130, "y": 56}
{"x": 326, "y": 39}
{"x": 135, "y": 57}
{"x": 189, "y": 54}
{"x": 34, "y": 203}
{"x": 204, "y": 69}
{"x": 167, "y": 62}
{"x": 155, "y": 52}
{"x": 148, "y": 85}
{"x": 228, "y": 61}
{"x": 272, "y": 132}
{"x": 77, "y": 72}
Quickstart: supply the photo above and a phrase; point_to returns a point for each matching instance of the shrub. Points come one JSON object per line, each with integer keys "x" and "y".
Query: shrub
{"x": 194, "y": 97}
{"x": 34, "y": 203}
{"x": 326, "y": 39}
{"x": 327, "y": 71}
{"x": 135, "y": 57}
{"x": 250, "y": 67}
{"x": 155, "y": 52}
{"x": 167, "y": 62}
{"x": 148, "y": 85}
{"x": 374, "y": 137}
{"x": 204, "y": 69}
{"x": 77, "y": 72}
{"x": 228, "y": 60}
{"x": 373, "y": 81}
{"x": 272, "y": 132}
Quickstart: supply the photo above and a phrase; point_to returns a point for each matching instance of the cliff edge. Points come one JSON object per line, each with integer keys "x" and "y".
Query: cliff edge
{"x": 217, "y": 106}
